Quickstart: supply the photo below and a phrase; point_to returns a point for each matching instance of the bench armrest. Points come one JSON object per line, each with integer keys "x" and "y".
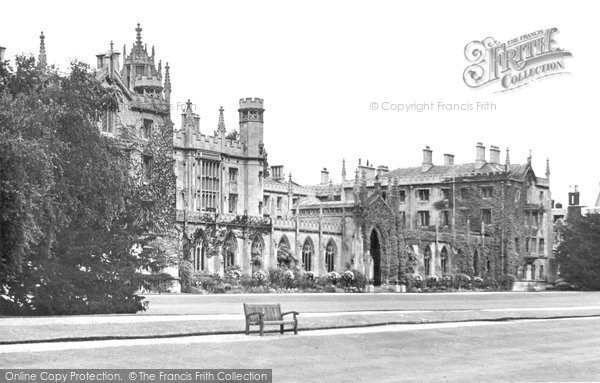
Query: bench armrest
{"x": 290, "y": 312}
{"x": 260, "y": 316}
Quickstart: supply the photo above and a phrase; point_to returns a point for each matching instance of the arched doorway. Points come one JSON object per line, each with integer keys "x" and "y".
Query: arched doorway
{"x": 307, "y": 254}
{"x": 230, "y": 250}
{"x": 376, "y": 255}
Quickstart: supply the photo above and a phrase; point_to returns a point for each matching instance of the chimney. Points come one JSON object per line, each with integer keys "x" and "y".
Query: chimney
{"x": 448, "y": 159}
{"x": 574, "y": 196}
{"x": 427, "y": 159}
{"x": 381, "y": 170}
{"x": 277, "y": 172}
{"x": 480, "y": 155}
{"x": 324, "y": 176}
{"x": 494, "y": 154}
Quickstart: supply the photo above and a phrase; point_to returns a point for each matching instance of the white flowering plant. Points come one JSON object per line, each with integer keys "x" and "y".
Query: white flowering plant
{"x": 334, "y": 277}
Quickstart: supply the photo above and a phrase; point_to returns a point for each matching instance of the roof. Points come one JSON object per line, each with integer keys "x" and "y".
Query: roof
{"x": 460, "y": 170}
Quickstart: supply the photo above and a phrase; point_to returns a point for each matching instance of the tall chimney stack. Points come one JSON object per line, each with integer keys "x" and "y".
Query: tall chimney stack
{"x": 324, "y": 176}
{"x": 427, "y": 159}
{"x": 480, "y": 155}
{"x": 448, "y": 159}
{"x": 494, "y": 154}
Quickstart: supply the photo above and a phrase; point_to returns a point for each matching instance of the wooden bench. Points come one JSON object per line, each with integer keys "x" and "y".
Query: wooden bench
{"x": 268, "y": 314}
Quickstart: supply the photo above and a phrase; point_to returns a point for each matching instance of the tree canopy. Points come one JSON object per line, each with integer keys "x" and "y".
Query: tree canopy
{"x": 578, "y": 254}
{"x": 73, "y": 236}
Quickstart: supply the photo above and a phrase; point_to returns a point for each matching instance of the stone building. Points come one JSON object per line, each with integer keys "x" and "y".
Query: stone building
{"x": 482, "y": 218}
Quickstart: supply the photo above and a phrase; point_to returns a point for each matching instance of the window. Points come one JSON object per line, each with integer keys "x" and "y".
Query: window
{"x": 532, "y": 271}
{"x": 541, "y": 196}
{"x": 233, "y": 175}
{"x": 423, "y": 195}
{"x": 107, "y": 122}
{"x": 464, "y": 194}
{"x": 427, "y": 261}
{"x": 535, "y": 222}
{"x": 541, "y": 271}
{"x": 486, "y": 191}
{"x": 541, "y": 246}
{"x": 403, "y": 218}
{"x": 307, "y": 253}
{"x": 279, "y": 205}
{"x": 260, "y": 208}
{"x": 256, "y": 253}
{"x": 209, "y": 185}
{"x": 486, "y": 216}
{"x": 445, "y": 218}
{"x": 446, "y": 194}
{"x": 527, "y": 245}
{"x": 230, "y": 250}
{"x": 518, "y": 196}
{"x": 200, "y": 257}
{"x": 444, "y": 260}
{"x": 330, "y": 256}
{"x": 517, "y": 245}
{"x": 233, "y": 199}
{"x": 266, "y": 206}
{"x": 147, "y": 128}
{"x": 140, "y": 70}
{"x": 476, "y": 262}
{"x": 423, "y": 217}
{"x": 401, "y": 196}
{"x": 147, "y": 168}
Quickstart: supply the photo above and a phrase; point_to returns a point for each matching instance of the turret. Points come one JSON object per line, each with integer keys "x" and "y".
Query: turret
{"x": 139, "y": 72}
{"x": 251, "y": 124}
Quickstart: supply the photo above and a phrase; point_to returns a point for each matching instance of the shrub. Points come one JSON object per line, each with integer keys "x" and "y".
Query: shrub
{"x": 432, "y": 281}
{"x": 323, "y": 281}
{"x": 261, "y": 277}
{"x": 506, "y": 281}
{"x": 359, "y": 281}
{"x": 461, "y": 281}
{"x": 478, "y": 282}
{"x": 334, "y": 277}
{"x": 413, "y": 281}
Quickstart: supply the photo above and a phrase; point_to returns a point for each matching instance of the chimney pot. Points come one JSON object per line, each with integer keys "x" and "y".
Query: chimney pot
{"x": 448, "y": 159}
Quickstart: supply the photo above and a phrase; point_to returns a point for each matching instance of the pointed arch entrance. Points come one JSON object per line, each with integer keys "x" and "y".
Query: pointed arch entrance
{"x": 375, "y": 249}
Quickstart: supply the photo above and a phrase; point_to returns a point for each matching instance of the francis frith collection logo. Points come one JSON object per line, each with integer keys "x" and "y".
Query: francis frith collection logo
{"x": 515, "y": 63}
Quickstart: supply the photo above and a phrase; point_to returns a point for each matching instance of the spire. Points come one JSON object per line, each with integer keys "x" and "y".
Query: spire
{"x": 153, "y": 53}
{"x": 221, "y": 126}
{"x": 124, "y": 53}
{"x": 42, "y": 56}
{"x": 547, "y": 167}
{"x": 167, "y": 87}
{"x": 507, "y": 162}
{"x": 138, "y": 35}
{"x": 112, "y": 46}
{"x": 343, "y": 170}
{"x": 160, "y": 68}
{"x": 529, "y": 158}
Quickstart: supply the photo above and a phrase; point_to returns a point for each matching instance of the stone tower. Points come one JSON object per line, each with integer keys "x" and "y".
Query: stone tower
{"x": 251, "y": 125}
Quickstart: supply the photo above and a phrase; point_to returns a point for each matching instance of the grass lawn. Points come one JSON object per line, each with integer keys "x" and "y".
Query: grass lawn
{"x": 523, "y": 351}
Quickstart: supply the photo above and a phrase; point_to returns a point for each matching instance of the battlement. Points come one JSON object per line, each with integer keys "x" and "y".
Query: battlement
{"x": 150, "y": 104}
{"x": 251, "y": 103}
{"x": 193, "y": 140}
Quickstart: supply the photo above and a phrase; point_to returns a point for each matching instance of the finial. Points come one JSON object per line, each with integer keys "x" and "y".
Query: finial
{"x": 167, "y": 76}
{"x": 343, "y": 170}
{"x": 160, "y": 68}
{"x": 188, "y": 105}
{"x": 111, "y": 46}
{"x": 547, "y": 167}
{"x": 42, "y": 56}
{"x": 507, "y": 162}
{"x": 138, "y": 37}
{"x": 529, "y": 158}
{"x": 124, "y": 52}
{"x": 153, "y": 53}
{"x": 221, "y": 125}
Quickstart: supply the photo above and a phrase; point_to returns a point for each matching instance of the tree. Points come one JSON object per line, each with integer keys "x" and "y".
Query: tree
{"x": 578, "y": 254}
{"x": 74, "y": 231}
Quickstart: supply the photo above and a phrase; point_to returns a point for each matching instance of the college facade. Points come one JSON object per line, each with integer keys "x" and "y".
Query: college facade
{"x": 485, "y": 217}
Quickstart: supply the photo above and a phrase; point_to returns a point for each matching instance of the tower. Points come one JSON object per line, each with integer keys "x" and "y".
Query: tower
{"x": 251, "y": 125}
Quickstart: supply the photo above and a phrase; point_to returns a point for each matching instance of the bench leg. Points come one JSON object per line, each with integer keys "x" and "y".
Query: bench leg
{"x": 296, "y": 328}
{"x": 281, "y": 329}
{"x": 261, "y": 330}
{"x": 247, "y": 329}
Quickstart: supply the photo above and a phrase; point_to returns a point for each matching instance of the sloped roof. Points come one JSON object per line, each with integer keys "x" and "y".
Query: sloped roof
{"x": 459, "y": 170}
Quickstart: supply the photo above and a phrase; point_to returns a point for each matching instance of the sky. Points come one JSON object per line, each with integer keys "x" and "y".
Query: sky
{"x": 320, "y": 66}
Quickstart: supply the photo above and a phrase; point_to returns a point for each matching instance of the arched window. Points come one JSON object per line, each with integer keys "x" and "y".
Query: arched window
{"x": 307, "y": 254}
{"x": 284, "y": 243}
{"x": 444, "y": 260}
{"x": 476, "y": 262}
{"x": 541, "y": 271}
{"x": 200, "y": 257}
{"x": 330, "y": 256}
{"x": 532, "y": 271}
{"x": 230, "y": 250}
{"x": 427, "y": 260}
{"x": 488, "y": 267}
{"x": 257, "y": 246}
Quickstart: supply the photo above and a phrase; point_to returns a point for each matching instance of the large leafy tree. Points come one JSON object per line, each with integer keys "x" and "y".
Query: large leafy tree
{"x": 578, "y": 254}
{"x": 73, "y": 235}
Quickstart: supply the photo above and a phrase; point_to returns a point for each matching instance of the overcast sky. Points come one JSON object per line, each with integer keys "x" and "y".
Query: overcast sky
{"x": 319, "y": 65}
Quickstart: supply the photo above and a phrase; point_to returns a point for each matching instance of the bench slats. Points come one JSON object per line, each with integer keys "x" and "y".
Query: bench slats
{"x": 270, "y": 315}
